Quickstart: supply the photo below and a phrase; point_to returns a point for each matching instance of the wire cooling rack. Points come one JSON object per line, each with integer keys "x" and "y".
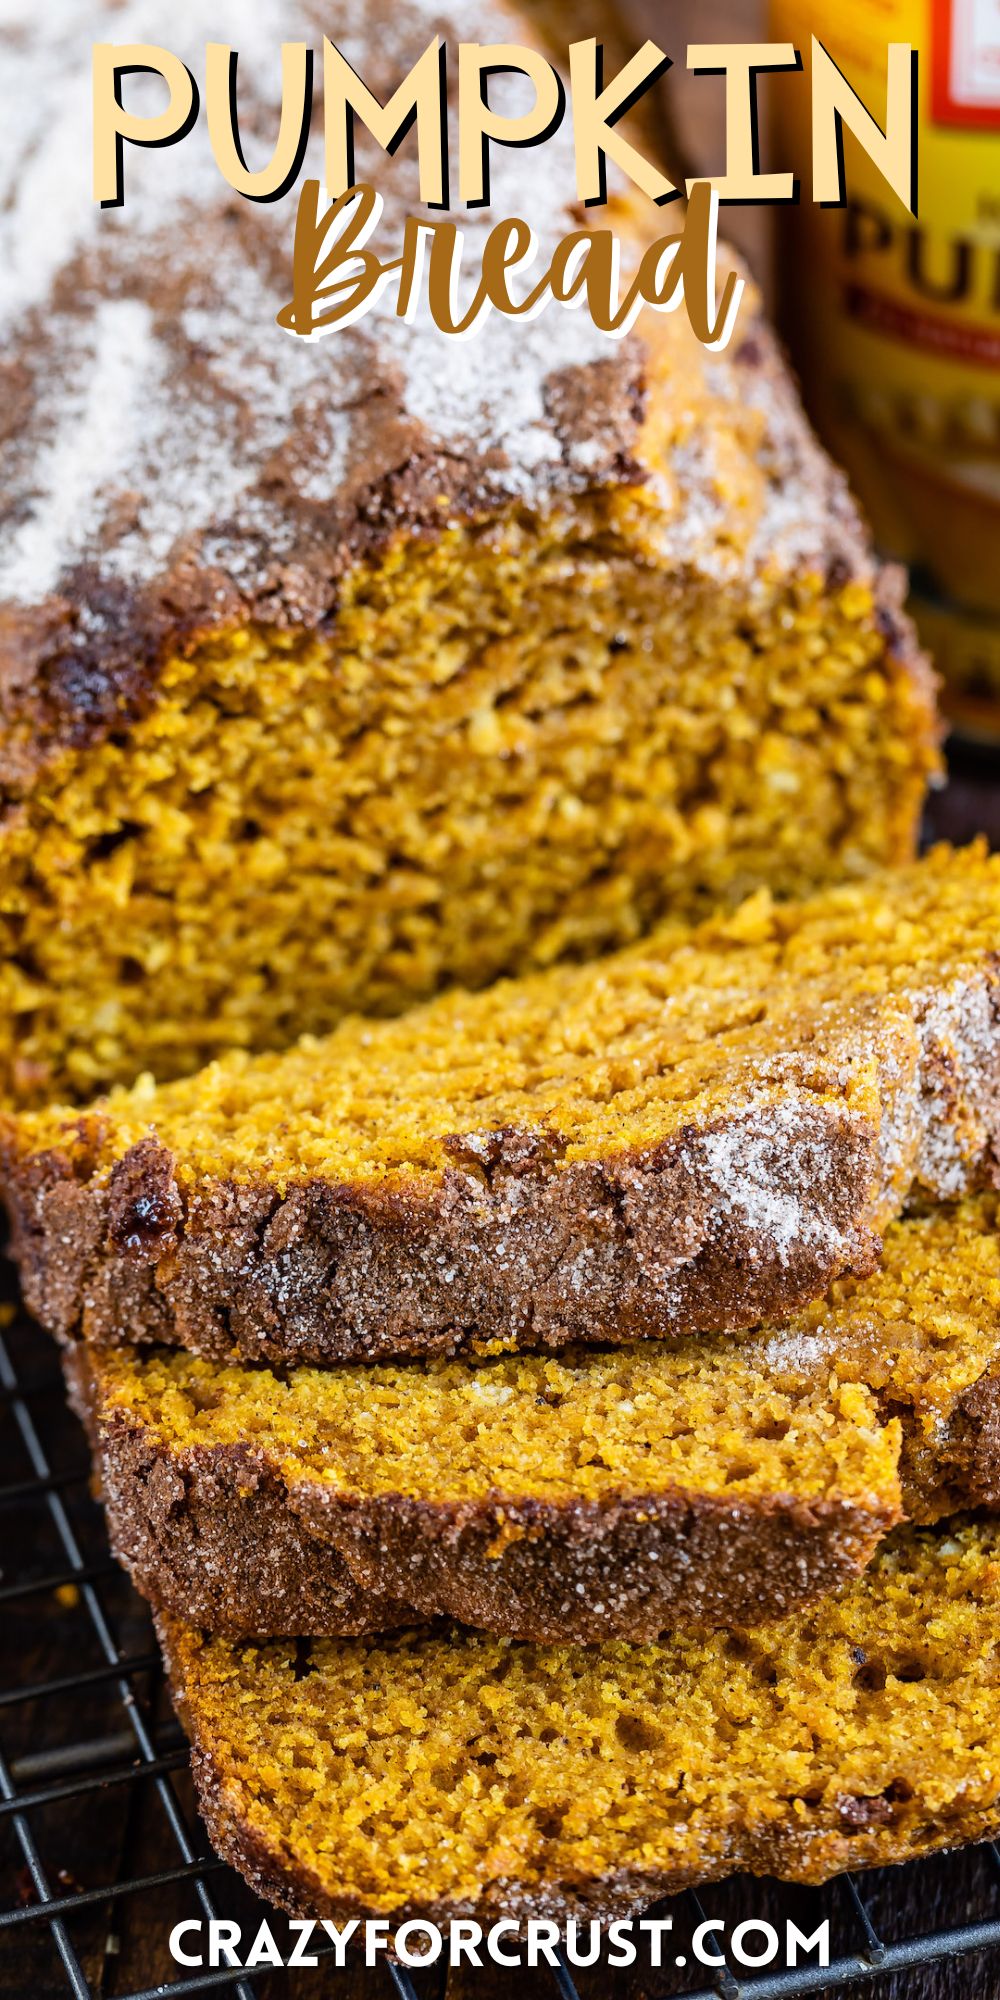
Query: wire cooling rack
{"x": 101, "y": 1851}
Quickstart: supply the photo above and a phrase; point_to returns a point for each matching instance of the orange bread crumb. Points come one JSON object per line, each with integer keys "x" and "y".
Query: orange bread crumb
{"x": 542, "y": 1780}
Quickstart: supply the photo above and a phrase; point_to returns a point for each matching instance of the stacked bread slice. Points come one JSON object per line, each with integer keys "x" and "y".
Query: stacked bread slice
{"x": 642, "y": 1318}
{"x": 597, "y": 1493}
{"x": 451, "y": 1775}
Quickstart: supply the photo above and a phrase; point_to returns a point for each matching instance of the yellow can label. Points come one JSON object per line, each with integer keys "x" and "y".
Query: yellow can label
{"x": 894, "y": 321}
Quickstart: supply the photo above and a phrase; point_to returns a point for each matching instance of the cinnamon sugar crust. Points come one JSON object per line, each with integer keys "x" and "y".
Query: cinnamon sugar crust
{"x": 719, "y": 1481}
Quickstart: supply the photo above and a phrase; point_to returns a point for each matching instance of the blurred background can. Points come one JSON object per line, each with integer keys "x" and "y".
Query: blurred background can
{"x": 894, "y": 324}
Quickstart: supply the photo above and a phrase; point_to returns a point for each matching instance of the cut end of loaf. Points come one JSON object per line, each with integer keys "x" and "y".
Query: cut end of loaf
{"x": 526, "y": 741}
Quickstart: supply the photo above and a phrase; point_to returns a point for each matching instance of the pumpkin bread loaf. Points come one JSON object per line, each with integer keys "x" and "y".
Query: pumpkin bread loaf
{"x": 556, "y": 1780}
{"x": 586, "y": 1496}
{"x": 692, "y": 1135}
{"x": 331, "y": 672}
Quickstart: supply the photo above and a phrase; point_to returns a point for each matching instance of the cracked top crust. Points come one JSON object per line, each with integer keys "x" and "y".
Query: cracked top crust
{"x": 172, "y": 463}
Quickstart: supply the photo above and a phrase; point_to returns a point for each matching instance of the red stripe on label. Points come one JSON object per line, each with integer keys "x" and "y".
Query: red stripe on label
{"x": 955, "y": 340}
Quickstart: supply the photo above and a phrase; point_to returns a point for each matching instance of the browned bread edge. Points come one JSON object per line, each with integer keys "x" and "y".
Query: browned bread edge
{"x": 847, "y": 1830}
{"x": 216, "y": 1536}
{"x": 510, "y": 1243}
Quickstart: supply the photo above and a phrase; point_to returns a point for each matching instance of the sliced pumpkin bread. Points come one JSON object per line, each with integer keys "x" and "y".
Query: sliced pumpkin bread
{"x": 697, "y": 1133}
{"x": 581, "y": 1496}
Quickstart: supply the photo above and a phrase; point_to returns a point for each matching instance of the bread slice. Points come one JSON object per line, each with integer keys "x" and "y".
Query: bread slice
{"x": 440, "y": 1775}
{"x": 343, "y": 669}
{"x": 598, "y": 1494}
{"x": 695, "y": 1134}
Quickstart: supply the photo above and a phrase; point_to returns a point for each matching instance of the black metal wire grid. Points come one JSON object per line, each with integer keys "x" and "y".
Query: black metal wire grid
{"x": 114, "y": 1742}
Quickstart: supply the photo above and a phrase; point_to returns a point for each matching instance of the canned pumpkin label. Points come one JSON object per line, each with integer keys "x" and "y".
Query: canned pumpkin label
{"x": 896, "y": 329}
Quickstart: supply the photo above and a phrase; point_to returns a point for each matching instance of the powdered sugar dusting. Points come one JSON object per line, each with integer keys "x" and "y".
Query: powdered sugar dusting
{"x": 167, "y": 417}
{"x": 462, "y": 400}
{"x": 960, "y": 1075}
{"x": 797, "y": 1353}
{"x": 98, "y": 417}
{"x": 46, "y": 209}
{"x": 770, "y": 1171}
